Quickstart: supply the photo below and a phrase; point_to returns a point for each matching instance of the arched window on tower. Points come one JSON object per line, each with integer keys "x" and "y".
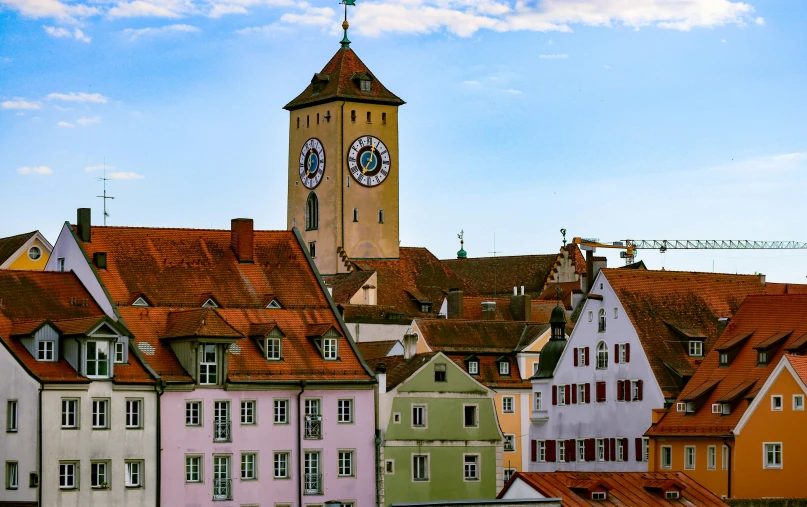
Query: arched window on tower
{"x": 312, "y": 212}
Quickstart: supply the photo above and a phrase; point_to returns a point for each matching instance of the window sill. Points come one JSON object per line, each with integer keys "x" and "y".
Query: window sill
{"x": 134, "y": 487}
{"x": 15, "y": 431}
{"x": 772, "y": 467}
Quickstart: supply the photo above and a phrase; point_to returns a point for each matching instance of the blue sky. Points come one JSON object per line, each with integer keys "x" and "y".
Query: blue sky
{"x": 680, "y": 119}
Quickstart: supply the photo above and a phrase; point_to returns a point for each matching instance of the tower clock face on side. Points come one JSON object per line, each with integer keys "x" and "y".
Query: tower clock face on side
{"x": 369, "y": 161}
{"x": 312, "y": 163}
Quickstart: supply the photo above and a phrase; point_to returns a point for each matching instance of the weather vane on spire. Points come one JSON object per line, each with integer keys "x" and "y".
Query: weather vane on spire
{"x": 345, "y": 24}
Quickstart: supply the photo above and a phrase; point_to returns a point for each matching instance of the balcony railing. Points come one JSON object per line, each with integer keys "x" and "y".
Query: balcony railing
{"x": 222, "y": 489}
{"x": 313, "y": 484}
{"x": 313, "y": 426}
{"x": 221, "y": 431}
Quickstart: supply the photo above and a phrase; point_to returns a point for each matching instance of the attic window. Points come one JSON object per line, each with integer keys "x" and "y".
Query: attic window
{"x": 671, "y": 495}
{"x": 273, "y": 349}
{"x": 439, "y": 373}
{"x": 329, "y": 350}
{"x": 695, "y": 348}
{"x": 210, "y": 303}
{"x": 46, "y": 350}
{"x": 473, "y": 367}
{"x": 762, "y": 358}
{"x": 599, "y": 495}
{"x": 274, "y": 305}
{"x": 504, "y": 368}
{"x": 425, "y": 307}
{"x": 365, "y": 85}
{"x": 724, "y": 359}
{"x": 34, "y": 253}
{"x": 140, "y": 302}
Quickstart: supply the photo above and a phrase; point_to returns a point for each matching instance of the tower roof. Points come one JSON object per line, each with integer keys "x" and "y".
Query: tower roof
{"x": 339, "y": 80}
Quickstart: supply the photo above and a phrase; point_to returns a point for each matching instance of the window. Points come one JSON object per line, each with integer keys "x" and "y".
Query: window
{"x": 581, "y": 394}
{"x": 12, "y": 475}
{"x": 389, "y": 466}
{"x": 133, "y": 413}
{"x": 666, "y": 457}
{"x": 221, "y": 421}
{"x": 193, "y": 469}
{"x": 420, "y": 467}
{"x": 97, "y": 364}
{"x": 590, "y": 316}
{"x": 762, "y": 357}
{"x": 798, "y": 402}
{"x": 695, "y": 348}
{"x": 273, "y": 349}
{"x": 193, "y": 411}
{"x": 776, "y": 402}
{"x": 344, "y": 411}
{"x": 620, "y": 450}
{"x": 381, "y": 216}
{"x": 313, "y": 479}
{"x": 67, "y": 475}
{"x": 509, "y": 443}
{"x": 99, "y": 474}
{"x": 364, "y": 85}
{"x": 602, "y": 356}
{"x": 34, "y": 253}
{"x": 561, "y": 395}
{"x": 384, "y": 118}
{"x": 508, "y": 473}
{"x": 724, "y": 464}
{"x": 12, "y": 416}
{"x": 599, "y": 495}
{"x": 248, "y": 461}
{"x": 711, "y": 457}
{"x": 724, "y": 359}
{"x": 208, "y": 365}
{"x": 298, "y": 122}
{"x": 439, "y": 373}
{"x": 541, "y": 445}
{"x": 248, "y": 412}
{"x": 329, "y": 349}
{"x": 120, "y": 349}
{"x": 45, "y": 350}
{"x": 507, "y": 404}
{"x": 281, "y": 411}
{"x": 473, "y": 367}
{"x": 504, "y": 368}
{"x": 471, "y": 467}
{"x": 773, "y": 455}
{"x": 536, "y": 401}
{"x": 623, "y": 353}
{"x": 312, "y": 249}
{"x": 581, "y": 450}
{"x": 312, "y": 407}
{"x": 317, "y": 118}
{"x": 634, "y": 391}
{"x": 70, "y": 413}
{"x": 535, "y": 366}
{"x": 281, "y": 463}
{"x": 345, "y": 463}
{"x": 672, "y": 495}
{"x": 419, "y": 416}
{"x": 425, "y": 307}
{"x": 134, "y": 474}
{"x": 307, "y": 121}
{"x": 689, "y": 458}
{"x": 355, "y": 214}
{"x": 221, "y": 478}
{"x": 60, "y": 264}
{"x": 601, "y": 321}
{"x": 581, "y": 357}
{"x": 561, "y": 450}
{"x": 353, "y": 115}
{"x": 312, "y": 212}
{"x": 645, "y": 449}
{"x": 100, "y": 414}
{"x": 600, "y": 442}
{"x": 471, "y": 416}
{"x": 369, "y": 116}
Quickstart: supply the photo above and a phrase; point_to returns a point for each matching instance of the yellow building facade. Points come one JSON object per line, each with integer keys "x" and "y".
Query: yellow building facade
{"x": 29, "y": 252}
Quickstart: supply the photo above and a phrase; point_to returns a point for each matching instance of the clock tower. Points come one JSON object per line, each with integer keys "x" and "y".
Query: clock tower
{"x": 343, "y": 164}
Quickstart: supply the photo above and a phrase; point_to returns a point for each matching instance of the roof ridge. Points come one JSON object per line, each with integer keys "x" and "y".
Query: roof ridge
{"x": 119, "y": 227}
{"x": 502, "y": 257}
{"x": 668, "y": 271}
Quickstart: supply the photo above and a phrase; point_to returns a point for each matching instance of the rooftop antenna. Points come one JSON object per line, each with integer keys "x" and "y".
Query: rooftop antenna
{"x": 105, "y": 197}
{"x": 495, "y": 268}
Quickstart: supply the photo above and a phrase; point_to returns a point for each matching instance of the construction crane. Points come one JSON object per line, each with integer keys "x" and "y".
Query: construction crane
{"x": 662, "y": 245}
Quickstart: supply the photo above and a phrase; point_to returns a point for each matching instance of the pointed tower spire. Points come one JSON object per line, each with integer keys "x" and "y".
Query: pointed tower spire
{"x": 345, "y": 25}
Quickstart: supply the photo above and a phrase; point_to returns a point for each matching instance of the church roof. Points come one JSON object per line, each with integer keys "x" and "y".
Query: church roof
{"x": 339, "y": 80}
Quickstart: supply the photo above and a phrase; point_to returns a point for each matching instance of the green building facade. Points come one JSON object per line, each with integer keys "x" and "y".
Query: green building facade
{"x": 441, "y": 436}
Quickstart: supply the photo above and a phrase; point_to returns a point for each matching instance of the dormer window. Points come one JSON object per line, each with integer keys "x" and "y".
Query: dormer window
{"x": 425, "y": 307}
{"x": 473, "y": 367}
{"x": 329, "y": 352}
{"x": 273, "y": 349}
{"x": 365, "y": 85}
{"x": 210, "y": 303}
{"x": 141, "y": 302}
{"x": 762, "y": 358}
{"x": 599, "y": 495}
{"x": 46, "y": 351}
{"x": 120, "y": 352}
{"x": 695, "y": 348}
{"x": 504, "y": 368}
{"x": 97, "y": 362}
{"x": 724, "y": 359}
{"x": 208, "y": 364}
{"x": 273, "y": 305}
{"x": 671, "y": 495}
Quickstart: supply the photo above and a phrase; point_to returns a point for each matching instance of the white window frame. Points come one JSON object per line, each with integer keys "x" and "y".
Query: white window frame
{"x": 344, "y": 411}
{"x": 602, "y": 355}
{"x": 280, "y": 411}
{"x": 798, "y": 402}
{"x": 12, "y": 416}
{"x": 504, "y": 368}
{"x": 509, "y": 438}
{"x": 777, "y": 398}
{"x": 665, "y": 452}
{"x": 208, "y": 369}
{"x": 581, "y": 449}
{"x": 620, "y": 450}
{"x": 690, "y": 451}
{"x": 425, "y": 475}
{"x": 134, "y": 473}
{"x": 99, "y": 474}
{"x": 561, "y": 396}
{"x": 46, "y": 353}
{"x": 695, "y": 348}
{"x": 70, "y": 408}
{"x": 537, "y": 401}
{"x": 100, "y": 347}
{"x": 60, "y": 264}
{"x": 193, "y": 409}
{"x": 672, "y": 495}
{"x": 541, "y": 451}
{"x": 599, "y": 495}
{"x": 193, "y": 468}
{"x": 273, "y": 349}
{"x": 774, "y": 445}
{"x": 473, "y": 367}
{"x": 100, "y": 413}
{"x": 134, "y": 413}
{"x": 711, "y": 457}
{"x": 602, "y": 321}
{"x": 511, "y": 401}
{"x": 581, "y": 394}
{"x": 599, "y": 449}
{"x": 422, "y": 417}
{"x": 119, "y": 350}
{"x": 312, "y": 406}
{"x": 724, "y": 463}
{"x": 249, "y": 466}
{"x": 67, "y": 470}
{"x": 508, "y": 473}
{"x": 561, "y": 451}
{"x": 280, "y": 465}
{"x": 623, "y": 353}
{"x": 345, "y": 463}
{"x": 330, "y": 351}
{"x": 645, "y": 449}
{"x": 471, "y": 467}
{"x": 12, "y": 475}
{"x": 634, "y": 391}
{"x": 581, "y": 357}
{"x": 249, "y": 412}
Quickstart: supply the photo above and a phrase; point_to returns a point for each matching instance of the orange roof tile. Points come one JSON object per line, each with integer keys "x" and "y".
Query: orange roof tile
{"x": 489, "y": 371}
{"x": 496, "y": 276}
{"x": 550, "y": 292}
{"x": 799, "y": 364}
{"x": 759, "y": 318}
{"x": 345, "y": 285}
{"x": 197, "y": 323}
{"x": 376, "y": 350}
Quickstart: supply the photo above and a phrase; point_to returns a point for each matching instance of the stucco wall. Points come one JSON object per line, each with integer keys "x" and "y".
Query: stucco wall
{"x": 715, "y": 480}
{"x": 25, "y": 262}
{"x": 22, "y": 445}
{"x": 265, "y": 438}
{"x": 377, "y": 332}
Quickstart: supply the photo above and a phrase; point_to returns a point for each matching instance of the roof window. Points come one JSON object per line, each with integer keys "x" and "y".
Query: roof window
{"x": 695, "y": 348}
{"x": 274, "y": 305}
{"x": 599, "y": 495}
{"x": 365, "y": 85}
{"x": 210, "y": 303}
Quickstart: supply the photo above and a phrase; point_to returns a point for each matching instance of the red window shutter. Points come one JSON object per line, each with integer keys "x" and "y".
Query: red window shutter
{"x": 600, "y": 391}
{"x": 586, "y": 354}
{"x": 627, "y": 352}
{"x": 613, "y": 448}
{"x": 554, "y": 395}
{"x": 589, "y": 449}
{"x": 575, "y": 356}
{"x": 568, "y": 395}
{"x": 620, "y": 391}
{"x": 616, "y": 353}
{"x": 533, "y": 450}
{"x": 638, "y": 449}
{"x": 639, "y": 382}
{"x": 588, "y": 393}
{"x": 628, "y": 393}
{"x": 574, "y": 393}
{"x": 571, "y": 450}
{"x": 624, "y": 449}
{"x": 607, "y": 449}
{"x": 551, "y": 450}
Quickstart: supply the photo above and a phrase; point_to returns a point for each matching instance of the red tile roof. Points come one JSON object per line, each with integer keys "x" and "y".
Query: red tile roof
{"x": 199, "y": 322}
{"x": 496, "y": 276}
{"x": 550, "y": 292}
{"x": 30, "y": 298}
{"x": 761, "y": 316}
{"x": 339, "y": 80}
{"x": 9, "y": 245}
{"x": 799, "y": 364}
{"x": 664, "y": 306}
{"x": 399, "y": 368}
{"x": 489, "y": 371}
{"x": 376, "y": 350}
{"x": 625, "y": 489}
{"x": 346, "y": 285}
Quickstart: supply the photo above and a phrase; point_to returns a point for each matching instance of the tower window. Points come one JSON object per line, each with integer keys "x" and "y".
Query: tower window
{"x": 383, "y": 118}
{"x": 369, "y": 117}
{"x": 355, "y": 214}
{"x": 298, "y": 122}
{"x": 317, "y": 118}
{"x": 312, "y": 249}
{"x": 307, "y": 121}
{"x": 353, "y": 115}
{"x": 312, "y": 212}
{"x": 381, "y": 216}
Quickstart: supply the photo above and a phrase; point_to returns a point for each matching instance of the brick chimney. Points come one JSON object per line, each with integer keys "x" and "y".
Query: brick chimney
{"x": 455, "y": 303}
{"x": 521, "y": 305}
{"x": 241, "y": 238}
{"x": 83, "y": 227}
{"x": 489, "y": 310}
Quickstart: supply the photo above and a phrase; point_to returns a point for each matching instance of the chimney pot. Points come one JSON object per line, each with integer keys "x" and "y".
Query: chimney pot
{"x": 522, "y": 290}
{"x": 83, "y": 226}
{"x": 242, "y": 239}
{"x": 515, "y": 290}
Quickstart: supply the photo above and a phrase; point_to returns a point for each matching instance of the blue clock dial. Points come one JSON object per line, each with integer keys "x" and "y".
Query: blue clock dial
{"x": 312, "y": 163}
{"x": 368, "y": 160}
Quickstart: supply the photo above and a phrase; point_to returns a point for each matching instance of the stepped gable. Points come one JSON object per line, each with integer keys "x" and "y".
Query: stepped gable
{"x": 345, "y": 285}
{"x": 665, "y": 307}
{"x": 338, "y": 82}
{"x": 496, "y": 276}
{"x": 417, "y": 276}
{"x": 758, "y": 320}
{"x": 9, "y": 245}
{"x": 30, "y": 299}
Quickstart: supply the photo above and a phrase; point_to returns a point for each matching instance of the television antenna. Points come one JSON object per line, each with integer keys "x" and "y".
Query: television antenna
{"x": 105, "y": 197}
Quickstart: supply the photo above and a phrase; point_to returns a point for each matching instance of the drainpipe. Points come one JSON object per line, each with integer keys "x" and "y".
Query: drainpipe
{"x": 160, "y": 388}
{"x": 300, "y": 445}
{"x": 728, "y": 469}
{"x": 38, "y": 451}
{"x": 378, "y": 466}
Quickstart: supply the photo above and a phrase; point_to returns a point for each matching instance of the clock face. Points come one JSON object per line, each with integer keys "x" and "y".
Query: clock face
{"x": 312, "y": 163}
{"x": 369, "y": 161}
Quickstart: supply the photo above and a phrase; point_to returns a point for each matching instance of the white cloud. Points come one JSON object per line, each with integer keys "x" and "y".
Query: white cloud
{"x": 553, "y": 57}
{"x": 759, "y": 21}
{"x": 311, "y": 16}
{"x": 607, "y": 66}
{"x": 93, "y": 168}
{"x": 96, "y": 98}
{"x": 124, "y": 176}
{"x": 135, "y": 33}
{"x": 512, "y": 91}
{"x": 86, "y": 122}
{"x": 19, "y": 104}
{"x": 60, "y": 32}
{"x": 152, "y": 9}
{"x": 723, "y": 41}
{"x": 471, "y": 83}
{"x": 5, "y": 59}
{"x": 65, "y": 124}
{"x": 51, "y": 9}
{"x": 35, "y": 170}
